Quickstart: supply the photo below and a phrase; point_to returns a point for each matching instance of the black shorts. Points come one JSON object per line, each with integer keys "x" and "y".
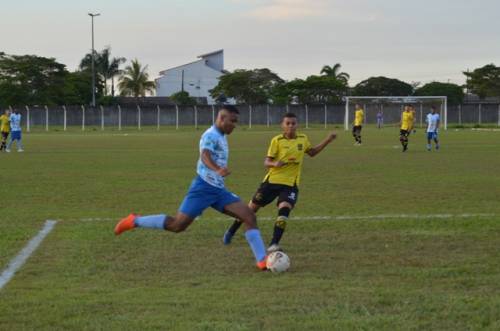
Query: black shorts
{"x": 356, "y": 130}
{"x": 404, "y": 133}
{"x": 267, "y": 192}
{"x": 5, "y": 135}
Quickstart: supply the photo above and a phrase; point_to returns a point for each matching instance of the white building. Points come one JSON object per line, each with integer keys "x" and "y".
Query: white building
{"x": 196, "y": 78}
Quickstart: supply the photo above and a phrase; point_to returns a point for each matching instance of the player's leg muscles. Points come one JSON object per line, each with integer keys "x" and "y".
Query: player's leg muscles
{"x": 247, "y": 216}
{"x": 242, "y": 212}
{"x": 178, "y": 223}
{"x": 233, "y": 228}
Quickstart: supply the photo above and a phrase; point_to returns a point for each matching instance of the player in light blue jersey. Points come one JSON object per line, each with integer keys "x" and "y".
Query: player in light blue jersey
{"x": 432, "y": 121}
{"x": 208, "y": 190}
{"x": 15, "y": 131}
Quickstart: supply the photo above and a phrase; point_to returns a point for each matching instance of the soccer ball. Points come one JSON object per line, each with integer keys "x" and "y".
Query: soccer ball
{"x": 278, "y": 262}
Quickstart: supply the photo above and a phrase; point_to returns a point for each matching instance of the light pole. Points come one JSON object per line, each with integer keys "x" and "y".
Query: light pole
{"x": 93, "y": 53}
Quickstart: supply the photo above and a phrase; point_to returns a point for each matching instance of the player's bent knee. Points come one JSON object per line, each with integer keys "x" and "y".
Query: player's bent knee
{"x": 250, "y": 220}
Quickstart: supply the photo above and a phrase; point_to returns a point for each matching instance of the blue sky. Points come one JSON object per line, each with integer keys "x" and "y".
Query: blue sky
{"x": 411, "y": 40}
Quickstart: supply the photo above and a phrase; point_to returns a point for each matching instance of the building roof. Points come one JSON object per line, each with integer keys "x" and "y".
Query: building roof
{"x": 211, "y": 53}
{"x": 201, "y": 57}
{"x": 182, "y": 65}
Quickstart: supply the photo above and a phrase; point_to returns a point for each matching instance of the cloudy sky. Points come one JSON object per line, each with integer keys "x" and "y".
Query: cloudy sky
{"x": 422, "y": 40}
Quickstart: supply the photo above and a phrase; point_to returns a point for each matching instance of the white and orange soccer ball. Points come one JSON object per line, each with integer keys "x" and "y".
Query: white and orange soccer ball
{"x": 278, "y": 262}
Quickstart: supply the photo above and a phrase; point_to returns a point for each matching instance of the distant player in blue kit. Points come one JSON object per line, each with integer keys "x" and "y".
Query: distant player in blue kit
{"x": 208, "y": 190}
{"x": 15, "y": 131}
{"x": 432, "y": 121}
{"x": 380, "y": 119}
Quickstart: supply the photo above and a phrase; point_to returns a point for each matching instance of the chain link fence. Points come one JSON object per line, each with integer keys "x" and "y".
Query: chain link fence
{"x": 158, "y": 117}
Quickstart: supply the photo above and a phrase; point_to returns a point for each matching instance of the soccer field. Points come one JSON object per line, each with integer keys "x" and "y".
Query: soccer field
{"x": 379, "y": 239}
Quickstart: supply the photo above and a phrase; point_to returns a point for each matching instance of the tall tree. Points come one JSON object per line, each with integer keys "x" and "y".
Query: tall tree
{"x": 316, "y": 89}
{"x": 114, "y": 70}
{"x": 333, "y": 71}
{"x": 484, "y": 81}
{"x": 31, "y": 79}
{"x": 78, "y": 88}
{"x": 106, "y": 67}
{"x": 135, "y": 81}
{"x": 454, "y": 92}
{"x": 247, "y": 86}
{"x": 382, "y": 86}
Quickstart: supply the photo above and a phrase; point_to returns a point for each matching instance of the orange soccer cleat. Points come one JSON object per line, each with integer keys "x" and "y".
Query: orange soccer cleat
{"x": 125, "y": 224}
{"x": 262, "y": 264}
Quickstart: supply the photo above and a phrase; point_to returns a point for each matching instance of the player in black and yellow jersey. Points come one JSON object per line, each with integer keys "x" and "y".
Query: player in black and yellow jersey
{"x": 359, "y": 116}
{"x": 284, "y": 163}
{"x": 4, "y": 129}
{"x": 406, "y": 126}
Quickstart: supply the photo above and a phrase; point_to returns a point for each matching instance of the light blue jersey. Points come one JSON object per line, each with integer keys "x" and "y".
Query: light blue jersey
{"x": 214, "y": 141}
{"x": 432, "y": 122}
{"x": 15, "y": 122}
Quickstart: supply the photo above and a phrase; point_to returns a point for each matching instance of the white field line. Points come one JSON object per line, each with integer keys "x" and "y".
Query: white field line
{"x": 18, "y": 261}
{"x": 335, "y": 218}
{"x": 485, "y": 129}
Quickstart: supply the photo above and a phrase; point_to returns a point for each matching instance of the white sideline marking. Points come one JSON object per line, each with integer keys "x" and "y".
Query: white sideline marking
{"x": 21, "y": 258}
{"x": 485, "y": 129}
{"x": 375, "y": 217}
{"x": 337, "y": 218}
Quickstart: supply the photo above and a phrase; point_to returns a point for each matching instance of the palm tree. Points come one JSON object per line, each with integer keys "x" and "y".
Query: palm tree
{"x": 110, "y": 67}
{"x": 106, "y": 68}
{"x": 134, "y": 81}
{"x": 333, "y": 71}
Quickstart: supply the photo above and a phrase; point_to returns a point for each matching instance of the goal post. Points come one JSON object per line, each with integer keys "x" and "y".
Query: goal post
{"x": 393, "y": 106}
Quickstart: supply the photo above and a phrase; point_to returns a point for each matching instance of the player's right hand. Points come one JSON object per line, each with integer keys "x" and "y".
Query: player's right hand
{"x": 279, "y": 164}
{"x": 224, "y": 171}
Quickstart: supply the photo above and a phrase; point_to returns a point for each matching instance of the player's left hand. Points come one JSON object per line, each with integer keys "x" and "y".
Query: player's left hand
{"x": 332, "y": 136}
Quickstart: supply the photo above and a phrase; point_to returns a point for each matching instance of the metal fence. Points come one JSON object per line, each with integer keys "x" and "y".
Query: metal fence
{"x": 118, "y": 118}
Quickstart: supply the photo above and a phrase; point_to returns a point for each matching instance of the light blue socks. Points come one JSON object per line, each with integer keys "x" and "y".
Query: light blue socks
{"x": 151, "y": 221}
{"x": 256, "y": 244}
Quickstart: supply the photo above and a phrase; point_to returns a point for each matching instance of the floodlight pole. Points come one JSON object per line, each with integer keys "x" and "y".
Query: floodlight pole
{"x": 93, "y": 56}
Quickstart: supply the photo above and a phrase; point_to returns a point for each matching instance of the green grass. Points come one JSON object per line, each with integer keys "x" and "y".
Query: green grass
{"x": 388, "y": 273}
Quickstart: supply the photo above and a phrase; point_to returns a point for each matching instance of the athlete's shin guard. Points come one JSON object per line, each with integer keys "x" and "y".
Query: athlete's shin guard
{"x": 279, "y": 228}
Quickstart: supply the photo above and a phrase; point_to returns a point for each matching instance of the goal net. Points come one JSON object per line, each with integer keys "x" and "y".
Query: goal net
{"x": 386, "y": 111}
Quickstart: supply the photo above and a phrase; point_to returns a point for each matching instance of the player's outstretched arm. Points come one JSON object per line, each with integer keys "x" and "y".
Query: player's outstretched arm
{"x": 207, "y": 160}
{"x": 318, "y": 148}
{"x": 269, "y": 162}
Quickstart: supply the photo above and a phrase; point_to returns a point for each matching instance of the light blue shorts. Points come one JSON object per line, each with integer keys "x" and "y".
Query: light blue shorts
{"x": 202, "y": 195}
{"x": 432, "y": 135}
{"x": 15, "y": 135}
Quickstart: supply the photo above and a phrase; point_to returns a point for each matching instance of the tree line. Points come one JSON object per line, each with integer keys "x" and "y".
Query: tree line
{"x": 262, "y": 86}
{"x": 36, "y": 80}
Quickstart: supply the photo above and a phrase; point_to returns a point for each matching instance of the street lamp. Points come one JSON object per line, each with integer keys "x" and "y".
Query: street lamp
{"x": 93, "y": 73}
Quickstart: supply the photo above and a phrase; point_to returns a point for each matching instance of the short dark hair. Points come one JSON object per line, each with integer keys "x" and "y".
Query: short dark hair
{"x": 289, "y": 115}
{"x": 230, "y": 108}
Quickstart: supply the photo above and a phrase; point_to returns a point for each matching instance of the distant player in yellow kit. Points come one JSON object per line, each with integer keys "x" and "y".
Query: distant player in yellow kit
{"x": 359, "y": 117}
{"x": 284, "y": 160}
{"x": 406, "y": 127}
{"x": 4, "y": 129}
